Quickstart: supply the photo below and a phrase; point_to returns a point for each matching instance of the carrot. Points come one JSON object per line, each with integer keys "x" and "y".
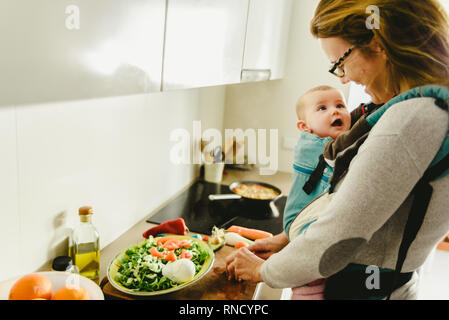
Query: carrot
{"x": 241, "y": 244}
{"x": 171, "y": 256}
{"x": 156, "y": 253}
{"x": 253, "y": 234}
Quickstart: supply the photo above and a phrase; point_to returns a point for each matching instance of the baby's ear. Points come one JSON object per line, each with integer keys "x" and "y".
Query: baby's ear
{"x": 302, "y": 126}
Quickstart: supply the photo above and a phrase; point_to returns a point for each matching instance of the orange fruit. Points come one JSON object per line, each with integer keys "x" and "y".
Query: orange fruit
{"x": 31, "y": 286}
{"x": 71, "y": 293}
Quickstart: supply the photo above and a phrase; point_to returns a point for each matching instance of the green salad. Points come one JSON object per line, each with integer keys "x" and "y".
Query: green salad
{"x": 142, "y": 266}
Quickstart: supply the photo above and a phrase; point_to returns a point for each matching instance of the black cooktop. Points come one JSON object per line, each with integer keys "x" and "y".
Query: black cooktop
{"x": 201, "y": 214}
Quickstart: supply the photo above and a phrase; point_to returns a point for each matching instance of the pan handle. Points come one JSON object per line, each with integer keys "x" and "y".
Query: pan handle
{"x": 213, "y": 197}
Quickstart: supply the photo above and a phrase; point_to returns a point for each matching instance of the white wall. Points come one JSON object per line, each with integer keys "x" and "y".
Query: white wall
{"x": 110, "y": 153}
{"x": 272, "y": 104}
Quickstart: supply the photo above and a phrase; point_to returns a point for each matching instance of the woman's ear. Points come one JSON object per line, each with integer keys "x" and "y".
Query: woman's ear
{"x": 376, "y": 45}
{"x": 302, "y": 126}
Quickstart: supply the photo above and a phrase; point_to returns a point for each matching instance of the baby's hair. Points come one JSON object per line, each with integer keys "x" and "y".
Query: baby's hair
{"x": 301, "y": 106}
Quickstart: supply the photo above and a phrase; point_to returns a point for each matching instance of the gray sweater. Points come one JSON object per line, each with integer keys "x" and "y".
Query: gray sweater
{"x": 365, "y": 219}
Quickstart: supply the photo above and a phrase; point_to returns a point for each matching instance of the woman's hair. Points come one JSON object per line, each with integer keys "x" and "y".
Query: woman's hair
{"x": 413, "y": 33}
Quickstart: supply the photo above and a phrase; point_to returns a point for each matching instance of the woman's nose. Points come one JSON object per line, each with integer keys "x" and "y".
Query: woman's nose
{"x": 344, "y": 79}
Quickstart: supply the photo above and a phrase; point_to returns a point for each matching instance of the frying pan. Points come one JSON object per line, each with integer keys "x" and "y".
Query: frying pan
{"x": 236, "y": 196}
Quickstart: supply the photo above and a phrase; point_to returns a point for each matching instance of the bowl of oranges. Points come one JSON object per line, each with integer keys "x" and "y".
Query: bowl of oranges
{"x": 50, "y": 285}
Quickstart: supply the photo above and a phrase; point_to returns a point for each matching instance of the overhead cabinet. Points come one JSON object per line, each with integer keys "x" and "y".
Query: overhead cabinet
{"x": 266, "y": 39}
{"x": 78, "y": 49}
{"x": 65, "y": 49}
{"x": 204, "y": 42}
{"x": 215, "y": 42}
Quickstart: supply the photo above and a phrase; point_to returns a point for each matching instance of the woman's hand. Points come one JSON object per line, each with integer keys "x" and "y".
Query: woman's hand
{"x": 264, "y": 248}
{"x": 243, "y": 264}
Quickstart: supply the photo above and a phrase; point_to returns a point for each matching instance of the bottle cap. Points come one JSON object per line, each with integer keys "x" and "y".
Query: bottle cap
{"x": 86, "y": 210}
{"x": 62, "y": 263}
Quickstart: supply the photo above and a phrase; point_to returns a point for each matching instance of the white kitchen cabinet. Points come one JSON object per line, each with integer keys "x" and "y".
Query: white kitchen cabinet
{"x": 204, "y": 42}
{"x": 266, "y": 39}
{"x": 76, "y": 49}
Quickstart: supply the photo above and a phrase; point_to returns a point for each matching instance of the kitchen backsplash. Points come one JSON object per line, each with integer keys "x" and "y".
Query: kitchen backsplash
{"x": 111, "y": 154}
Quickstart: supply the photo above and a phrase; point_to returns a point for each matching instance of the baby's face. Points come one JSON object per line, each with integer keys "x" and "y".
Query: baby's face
{"x": 326, "y": 113}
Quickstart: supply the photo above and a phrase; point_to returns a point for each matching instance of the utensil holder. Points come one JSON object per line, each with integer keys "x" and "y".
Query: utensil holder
{"x": 213, "y": 172}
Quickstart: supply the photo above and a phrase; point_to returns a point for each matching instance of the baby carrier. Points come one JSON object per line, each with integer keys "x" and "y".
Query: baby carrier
{"x": 422, "y": 193}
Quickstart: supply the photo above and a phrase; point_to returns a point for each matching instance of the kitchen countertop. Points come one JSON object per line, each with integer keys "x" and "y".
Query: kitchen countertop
{"x": 134, "y": 235}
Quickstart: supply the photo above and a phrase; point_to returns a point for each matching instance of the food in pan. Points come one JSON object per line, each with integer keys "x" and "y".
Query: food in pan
{"x": 255, "y": 191}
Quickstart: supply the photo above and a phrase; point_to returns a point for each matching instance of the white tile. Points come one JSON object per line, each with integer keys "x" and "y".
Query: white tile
{"x": 112, "y": 154}
{"x": 74, "y": 154}
{"x": 160, "y": 115}
{"x": 9, "y": 213}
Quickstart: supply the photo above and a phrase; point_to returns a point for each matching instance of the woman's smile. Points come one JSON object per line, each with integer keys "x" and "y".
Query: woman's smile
{"x": 367, "y": 70}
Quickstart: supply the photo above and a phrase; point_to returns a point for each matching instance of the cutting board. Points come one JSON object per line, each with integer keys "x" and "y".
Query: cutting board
{"x": 213, "y": 286}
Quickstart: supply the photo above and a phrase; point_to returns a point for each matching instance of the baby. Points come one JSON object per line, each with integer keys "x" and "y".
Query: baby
{"x": 322, "y": 111}
{"x": 322, "y": 117}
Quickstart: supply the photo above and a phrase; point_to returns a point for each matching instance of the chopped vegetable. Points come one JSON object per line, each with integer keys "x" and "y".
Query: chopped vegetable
{"x": 156, "y": 253}
{"x": 176, "y": 226}
{"x": 141, "y": 268}
{"x": 186, "y": 254}
{"x": 163, "y": 240}
{"x": 232, "y": 239}
{"x": 217, "y": 236}
{"x": 172, "y": 244}
{"x": 253, "y": 234}
{"x": 171, "y": 256}
{"x": 241, "y": 244}
{"x": 217, "y": 239}
{"x": 185, "y": 244}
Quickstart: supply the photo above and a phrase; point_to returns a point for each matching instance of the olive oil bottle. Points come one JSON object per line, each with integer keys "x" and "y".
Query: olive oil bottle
{"x": 85, "y": 246}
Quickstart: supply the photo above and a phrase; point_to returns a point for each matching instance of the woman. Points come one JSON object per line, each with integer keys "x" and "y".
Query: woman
{"x": 364, "y": 222}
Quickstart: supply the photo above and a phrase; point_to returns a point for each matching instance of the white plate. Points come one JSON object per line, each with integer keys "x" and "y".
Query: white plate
{"x": 58, "y": 279}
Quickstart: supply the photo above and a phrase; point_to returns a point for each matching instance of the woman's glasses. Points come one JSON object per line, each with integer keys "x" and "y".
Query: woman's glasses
{"x": 337, "y": 69}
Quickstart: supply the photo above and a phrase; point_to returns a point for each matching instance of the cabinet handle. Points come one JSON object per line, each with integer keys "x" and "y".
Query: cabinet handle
{"x": 252, "y": 75}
